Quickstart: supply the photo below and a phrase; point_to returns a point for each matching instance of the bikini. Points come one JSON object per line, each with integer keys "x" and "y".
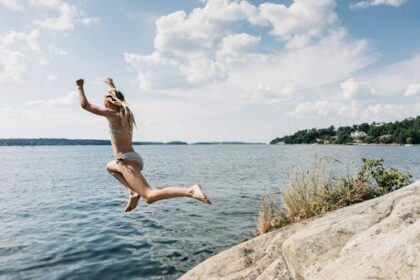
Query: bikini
{"x": 128, "y": 155}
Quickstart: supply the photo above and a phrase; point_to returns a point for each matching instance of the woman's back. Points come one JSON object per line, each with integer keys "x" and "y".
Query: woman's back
{"x": 121, "y": 138}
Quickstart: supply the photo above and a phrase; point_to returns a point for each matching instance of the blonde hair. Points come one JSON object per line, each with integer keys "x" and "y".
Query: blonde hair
{"x": 123, "y": 111}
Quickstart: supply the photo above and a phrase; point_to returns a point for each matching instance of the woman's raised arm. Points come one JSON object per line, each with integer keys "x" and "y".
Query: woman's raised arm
{"x": 91, "y": 107}
{"x": 82, "y": 97}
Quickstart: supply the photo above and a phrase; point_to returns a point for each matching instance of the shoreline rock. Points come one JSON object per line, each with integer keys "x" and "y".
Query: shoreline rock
{"x": 375, "y": 239}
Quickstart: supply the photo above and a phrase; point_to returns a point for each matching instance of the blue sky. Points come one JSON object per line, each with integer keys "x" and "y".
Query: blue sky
{"x": 211, "y": 70}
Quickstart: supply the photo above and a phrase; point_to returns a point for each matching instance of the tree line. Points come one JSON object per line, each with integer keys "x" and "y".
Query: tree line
{"x": 402, "y": 132}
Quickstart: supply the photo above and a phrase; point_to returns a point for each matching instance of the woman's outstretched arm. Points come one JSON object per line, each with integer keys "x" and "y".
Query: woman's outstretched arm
{"x": 91, "y": 107}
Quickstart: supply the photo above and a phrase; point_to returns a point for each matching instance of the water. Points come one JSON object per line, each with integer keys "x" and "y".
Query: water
{"x": 61, "y": 213}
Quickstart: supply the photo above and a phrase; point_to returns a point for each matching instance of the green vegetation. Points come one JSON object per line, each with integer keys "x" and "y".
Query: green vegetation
{"x": 402, "y": 132}
{"x": 314, "y": 191}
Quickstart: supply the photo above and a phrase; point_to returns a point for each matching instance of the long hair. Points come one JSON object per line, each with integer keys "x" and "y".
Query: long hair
{"x": 126, "y": 116}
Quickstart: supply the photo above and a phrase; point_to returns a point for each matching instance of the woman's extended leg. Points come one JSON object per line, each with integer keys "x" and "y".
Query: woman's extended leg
{"x": 133, "y": 197}
{"x": 136, "y": 181}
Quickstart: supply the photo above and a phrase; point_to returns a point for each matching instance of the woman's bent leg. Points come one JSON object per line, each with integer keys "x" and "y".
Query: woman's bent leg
{"x": 133, "y": 197}
{"x": 138, "y": 183}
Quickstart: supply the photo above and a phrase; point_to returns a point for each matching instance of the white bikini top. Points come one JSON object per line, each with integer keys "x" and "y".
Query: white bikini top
{"x": 116, "y": 131}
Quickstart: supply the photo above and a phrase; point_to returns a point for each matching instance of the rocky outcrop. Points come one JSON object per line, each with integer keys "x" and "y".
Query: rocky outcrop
{"x": 375, "y": 239}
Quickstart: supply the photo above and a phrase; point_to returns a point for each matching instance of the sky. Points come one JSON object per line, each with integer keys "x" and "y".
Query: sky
{"x": 215, "y": 70}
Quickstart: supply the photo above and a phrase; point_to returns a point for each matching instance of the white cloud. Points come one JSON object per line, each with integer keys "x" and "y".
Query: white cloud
{"x": 354, "y": 110}
{"x": 16, "y": 50}
{"x": 352, "y": 89}
{"x": 12, "y": 4}
{"x": 393, "y": 79}
{"x": 300, "y": 22}
{"x": 179, "y": 33}
{"x": 386, "y": 86}
{"x": 331, "y": 59}
{"x": 22, "y": 41}
{"x": 325, "y": 108}
{"x": 12, "y": 65}
{"x": 385, "y": 112}
{"x": 237, "y": 45}
{"x": 68, "y": 16}
{"x": 412, "y": 90}
{"x": 68, "y": 100}
{"x": 156, "y": 71}
{"x": 369, "y": 3}
{"x": 286, "y": 92}
{"x": 201, "y": 48}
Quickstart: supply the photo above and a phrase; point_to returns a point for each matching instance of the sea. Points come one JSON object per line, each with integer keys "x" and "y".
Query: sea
{"x": 61, "y": 213}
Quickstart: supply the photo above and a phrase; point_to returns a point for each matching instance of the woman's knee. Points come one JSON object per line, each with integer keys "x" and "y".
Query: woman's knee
{"x": 149, "y": 197}
{"x": 111, "y": 167}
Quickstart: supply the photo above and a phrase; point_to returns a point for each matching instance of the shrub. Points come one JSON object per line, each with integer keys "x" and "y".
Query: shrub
{"x": 313, "y": 191}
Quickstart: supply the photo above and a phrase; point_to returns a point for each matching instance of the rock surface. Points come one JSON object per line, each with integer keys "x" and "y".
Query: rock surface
{"x": 375, "y": 239}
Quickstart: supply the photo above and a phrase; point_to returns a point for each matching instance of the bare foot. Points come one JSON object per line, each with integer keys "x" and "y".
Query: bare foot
{"x": 133, "y": 200}
{"x": 198, "y": 194}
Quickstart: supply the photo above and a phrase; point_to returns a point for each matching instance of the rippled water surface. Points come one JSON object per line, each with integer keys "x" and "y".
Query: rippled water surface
{"x": 61, "y": 213}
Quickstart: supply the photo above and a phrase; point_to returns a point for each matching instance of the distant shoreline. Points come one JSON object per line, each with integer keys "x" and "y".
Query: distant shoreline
{"x": 348, "y": 144}
{"x": 100, "y": 142}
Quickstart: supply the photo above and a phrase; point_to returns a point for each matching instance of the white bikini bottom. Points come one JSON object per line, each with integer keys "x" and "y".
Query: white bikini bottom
{"x": 130, "y": 156}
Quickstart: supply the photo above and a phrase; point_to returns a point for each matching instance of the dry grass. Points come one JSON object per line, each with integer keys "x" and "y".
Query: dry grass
{"x": 313, "y": 191}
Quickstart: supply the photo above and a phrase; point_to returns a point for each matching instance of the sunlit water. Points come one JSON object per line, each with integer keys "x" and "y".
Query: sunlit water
{"x": 61, "y": 213}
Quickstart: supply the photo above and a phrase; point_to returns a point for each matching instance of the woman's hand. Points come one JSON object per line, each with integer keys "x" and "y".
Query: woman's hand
{"x": 109, "y": 82}
{"x": 80, "y": 82}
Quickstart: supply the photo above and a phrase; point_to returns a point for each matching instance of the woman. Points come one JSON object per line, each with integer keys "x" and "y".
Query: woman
{"x": 128, "y": 164}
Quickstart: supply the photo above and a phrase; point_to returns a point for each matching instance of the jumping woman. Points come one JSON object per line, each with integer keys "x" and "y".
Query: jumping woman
{"x": 128, "y": 164}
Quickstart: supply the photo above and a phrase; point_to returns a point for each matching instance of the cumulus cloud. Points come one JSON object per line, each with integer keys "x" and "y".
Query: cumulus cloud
{"x": 300, "y": 22}
{"x": 202, "y": 48}
{"x": 237, "y": 44}
{"x": 352, "y": 89}
{"x": 16, "y": 50}
{"x": 68, "y": 15}
{"x": 369, "y": 3}
{"x": 179, "y": 33}
{"x": 156, "y": 71}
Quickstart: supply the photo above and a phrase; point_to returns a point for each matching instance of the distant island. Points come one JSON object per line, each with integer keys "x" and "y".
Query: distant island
{"x": 405, "y": 132}
{"x": 76, "y": 142}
